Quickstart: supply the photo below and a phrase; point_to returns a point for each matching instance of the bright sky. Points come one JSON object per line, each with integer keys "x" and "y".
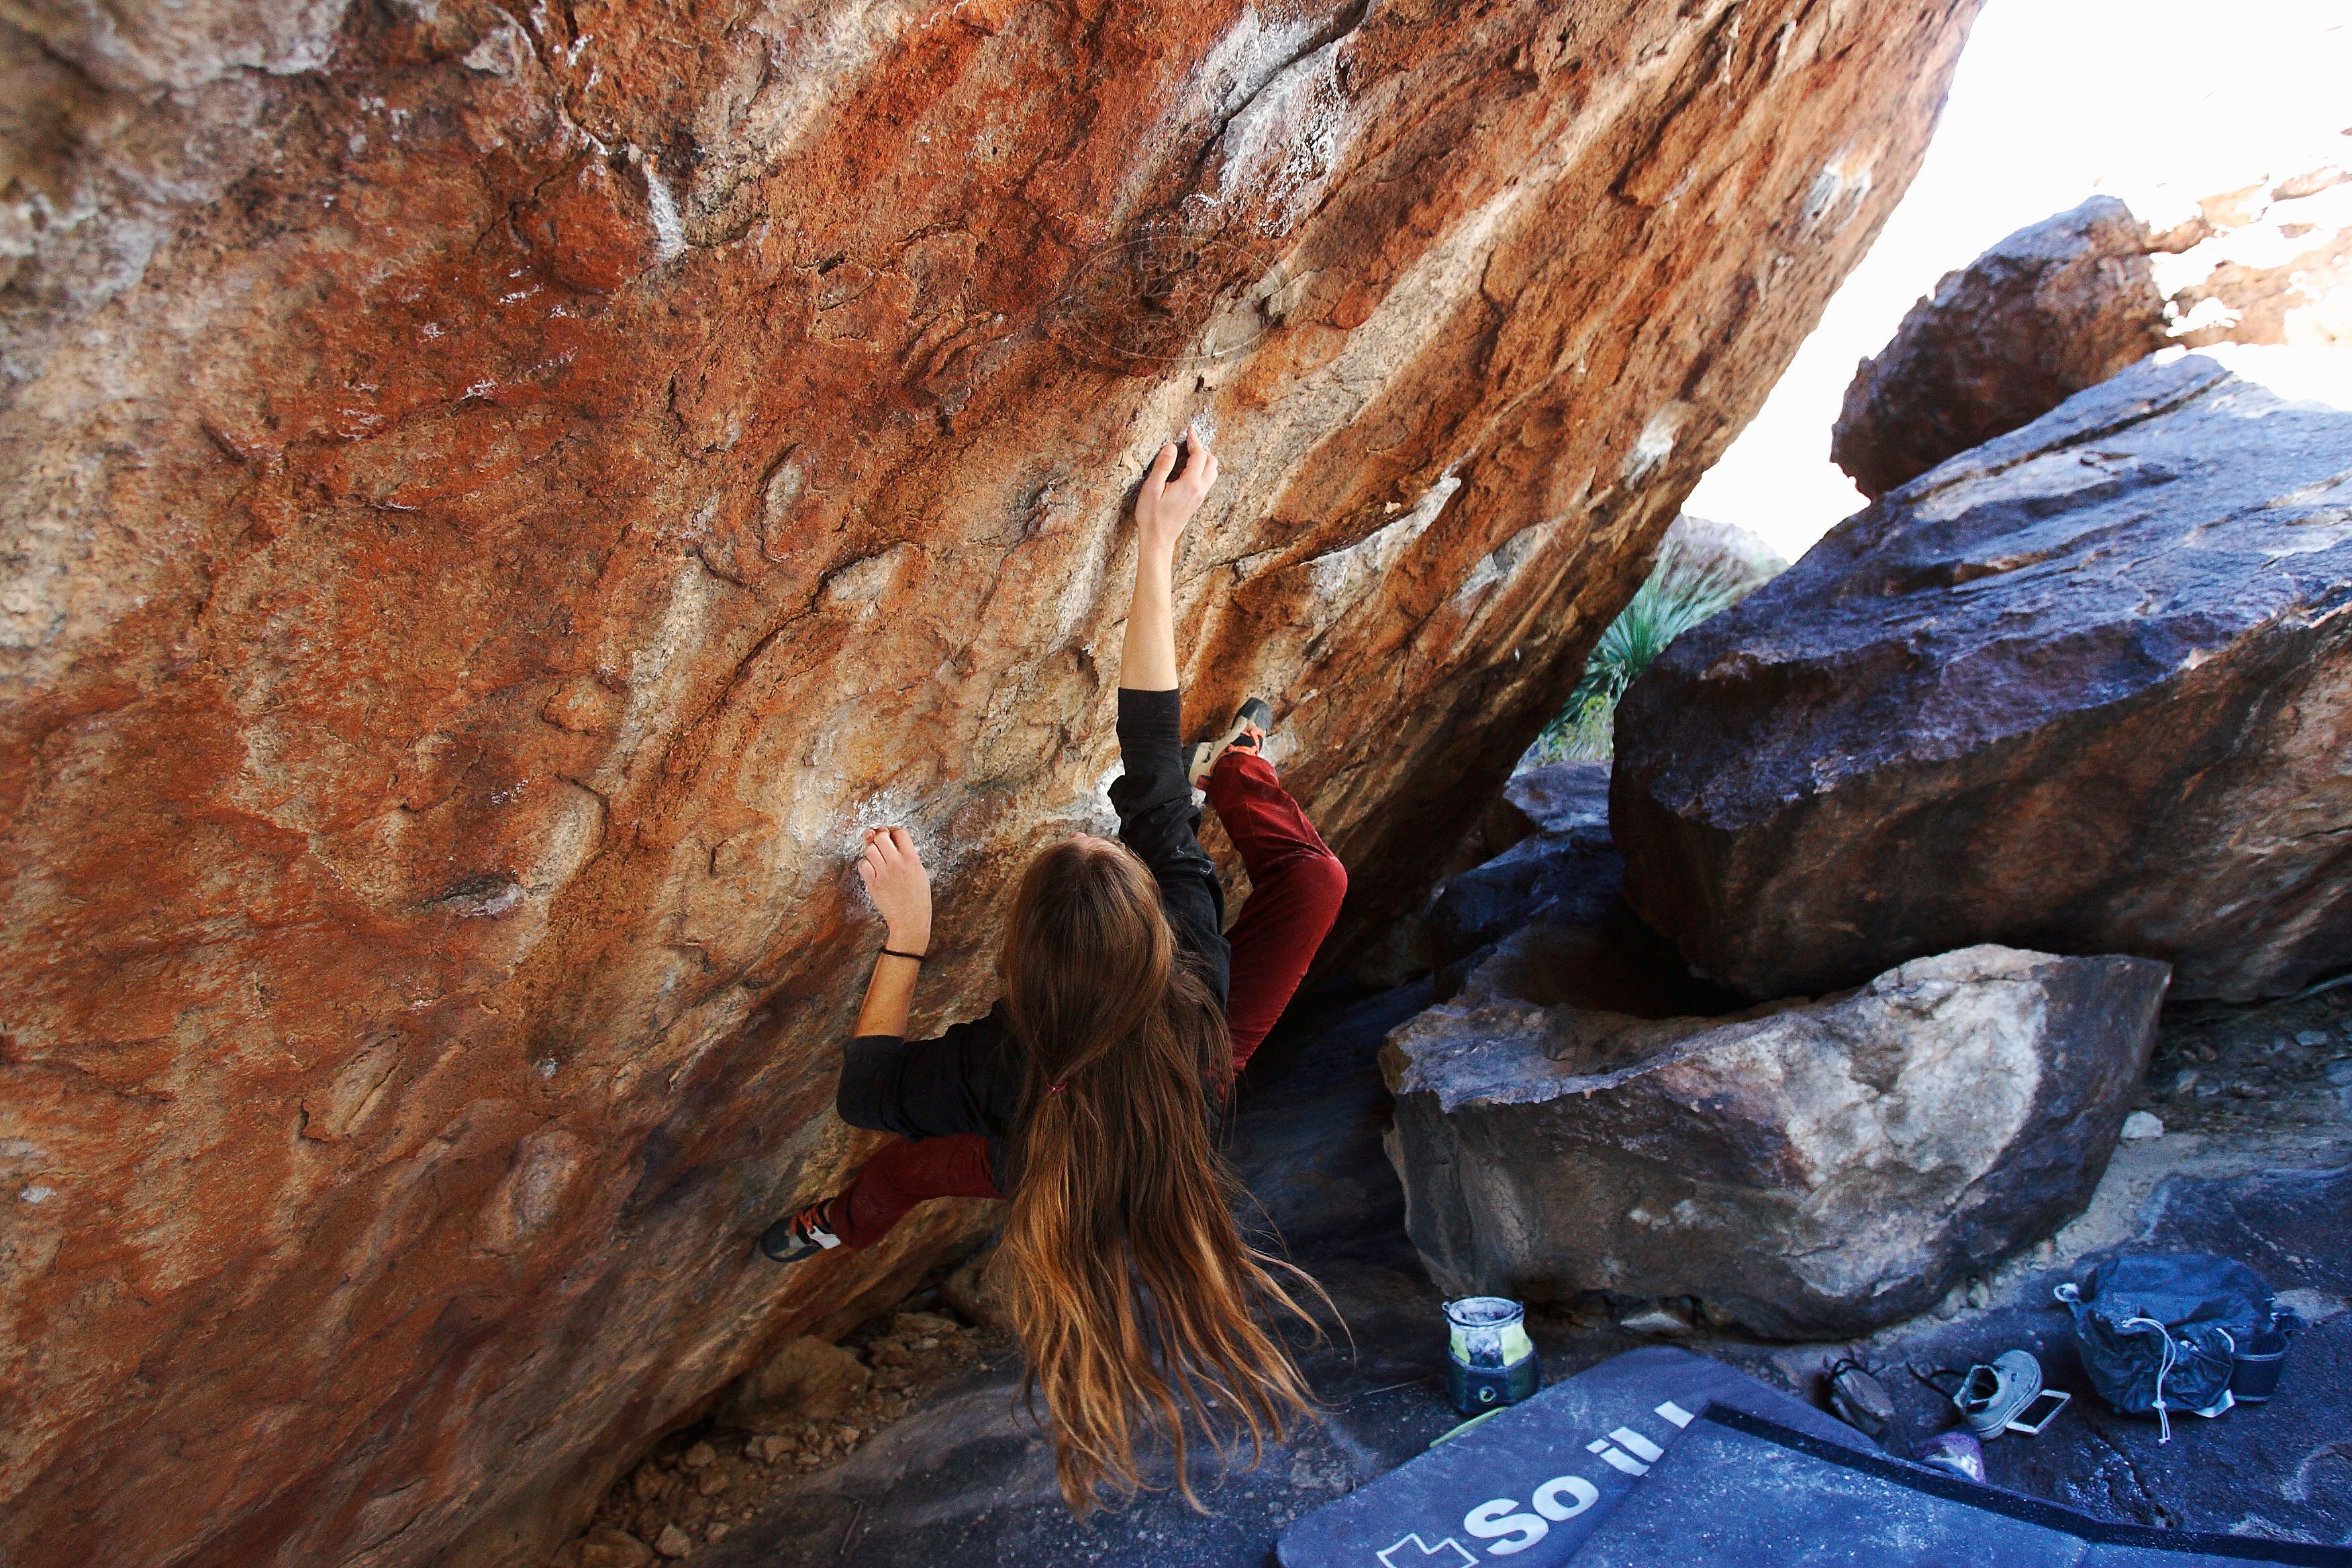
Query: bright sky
{"x": 2154, "y": 100}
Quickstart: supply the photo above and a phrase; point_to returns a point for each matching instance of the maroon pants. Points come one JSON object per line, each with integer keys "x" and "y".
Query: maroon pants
{"x": 1295, "y": 886}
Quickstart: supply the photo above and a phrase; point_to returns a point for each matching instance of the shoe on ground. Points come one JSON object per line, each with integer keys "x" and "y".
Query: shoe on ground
{"x": 803, "y": 1235}
{"x": 1254, "y": 714}
{"x": 1859, "y": 1399}
{"x": 1990, "y": 1396}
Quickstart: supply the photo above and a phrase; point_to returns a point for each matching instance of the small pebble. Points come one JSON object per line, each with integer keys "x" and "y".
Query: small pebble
{"x": 2313, "y": 1039}
{"x": 673, "y": 1541}
{"x": 2142, "y": 1124}
{"x": 717, "y": 1531}
{"x": 701, "y": 1457}
{"x": 1979, "y": 1294}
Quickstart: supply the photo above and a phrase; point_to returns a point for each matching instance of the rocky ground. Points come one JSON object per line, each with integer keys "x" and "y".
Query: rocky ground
{"x": 2255, "y": 1161}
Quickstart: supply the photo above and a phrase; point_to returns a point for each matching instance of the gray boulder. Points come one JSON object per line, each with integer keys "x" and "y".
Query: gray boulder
{"x": 1813, "y": 1170}
{"x": 2063, "y": 304}
{"x": 2085, "y": 689}
{"x": 1702, "y": 546}
{"x": 2054, "y": 307}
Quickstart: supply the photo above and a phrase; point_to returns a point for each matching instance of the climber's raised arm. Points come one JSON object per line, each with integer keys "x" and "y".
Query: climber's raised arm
{"x": 1157, "y": 817}
{"x": 1147, "y": 660}
{"x": 901, "y": 891}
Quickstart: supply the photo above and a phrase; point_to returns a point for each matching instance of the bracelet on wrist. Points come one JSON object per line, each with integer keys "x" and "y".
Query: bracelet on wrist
{"x": 893, "y": 952}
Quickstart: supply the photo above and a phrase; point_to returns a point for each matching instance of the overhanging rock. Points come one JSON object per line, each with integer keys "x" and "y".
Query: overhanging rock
{"x": 497, "y": 496}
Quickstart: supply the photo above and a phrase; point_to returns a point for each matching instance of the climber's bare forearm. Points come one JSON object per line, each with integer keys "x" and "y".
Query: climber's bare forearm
{"x": 901, "y": 890}
{"x": 1147, "y": 661}
{"x": 889, "y": 995}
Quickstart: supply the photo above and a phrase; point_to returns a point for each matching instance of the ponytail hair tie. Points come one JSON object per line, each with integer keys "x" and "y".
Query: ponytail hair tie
{"x": 1056, "y": 1087}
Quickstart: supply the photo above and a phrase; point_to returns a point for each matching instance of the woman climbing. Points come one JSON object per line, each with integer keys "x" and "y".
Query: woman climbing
{"x": 1086, "y": 1094}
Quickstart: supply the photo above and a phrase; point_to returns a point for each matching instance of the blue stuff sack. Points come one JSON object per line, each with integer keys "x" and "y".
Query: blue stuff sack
{"x": 2161, "y": 1333}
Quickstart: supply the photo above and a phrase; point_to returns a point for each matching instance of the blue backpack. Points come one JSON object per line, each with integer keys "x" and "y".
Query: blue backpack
{"x": 2162, "y": 1333}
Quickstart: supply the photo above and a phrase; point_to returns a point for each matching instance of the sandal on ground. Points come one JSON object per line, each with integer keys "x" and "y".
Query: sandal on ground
{"x": 803, "y": 1235}
{"x": 1989, "y": 1396}
{"x": 1254, "y": 714}
{"x": 1858, "y": 1398}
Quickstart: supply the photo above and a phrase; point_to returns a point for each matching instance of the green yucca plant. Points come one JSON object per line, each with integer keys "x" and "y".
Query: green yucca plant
{"x": 1677, "y": 595}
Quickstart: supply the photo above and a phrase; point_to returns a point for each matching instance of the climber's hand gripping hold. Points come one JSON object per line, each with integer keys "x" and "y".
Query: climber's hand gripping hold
{"x": 1164, "y": 506}
{"x": 901, "y": 890}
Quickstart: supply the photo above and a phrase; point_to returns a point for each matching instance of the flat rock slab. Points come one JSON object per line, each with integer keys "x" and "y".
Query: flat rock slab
{"x": 2085, "y": 689}
{"x": 1809, "y": 1170}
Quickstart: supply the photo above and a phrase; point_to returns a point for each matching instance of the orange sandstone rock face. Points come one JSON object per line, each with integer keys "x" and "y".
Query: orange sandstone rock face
{"x": 496, "y": 500}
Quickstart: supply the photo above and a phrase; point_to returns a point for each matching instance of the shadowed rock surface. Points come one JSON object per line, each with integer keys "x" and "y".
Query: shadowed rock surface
{"x": 2086, "y": 689}
{"x": 1809, "y": 1170}
{"x": 2052, "y": 308}
{"x": 499, "y": 496}
{"x": 1567, "y": 870}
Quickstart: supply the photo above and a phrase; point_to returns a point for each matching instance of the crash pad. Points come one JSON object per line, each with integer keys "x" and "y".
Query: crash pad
{"x": 1561, "y": 1462}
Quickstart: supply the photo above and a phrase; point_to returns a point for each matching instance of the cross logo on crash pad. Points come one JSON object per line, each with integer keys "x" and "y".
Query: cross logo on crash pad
{"x": 1388, "y": 1559}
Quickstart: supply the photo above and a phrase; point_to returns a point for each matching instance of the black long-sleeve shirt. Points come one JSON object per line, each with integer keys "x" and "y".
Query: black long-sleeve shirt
{"x": 968, "y": 1079}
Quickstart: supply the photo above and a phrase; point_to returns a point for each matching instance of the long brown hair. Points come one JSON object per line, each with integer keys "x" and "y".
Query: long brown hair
{"x": 1134, "y": 1296}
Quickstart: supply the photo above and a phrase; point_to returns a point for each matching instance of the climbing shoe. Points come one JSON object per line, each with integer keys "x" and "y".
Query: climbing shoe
{"x": 1254, "y": 714}
{"x": 803, "y": 1234}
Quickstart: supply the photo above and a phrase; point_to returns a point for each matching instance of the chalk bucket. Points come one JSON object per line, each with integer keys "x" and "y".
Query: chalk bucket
{"x": 1490, "y": 1361}
{"x": 2254, "y": 1374}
